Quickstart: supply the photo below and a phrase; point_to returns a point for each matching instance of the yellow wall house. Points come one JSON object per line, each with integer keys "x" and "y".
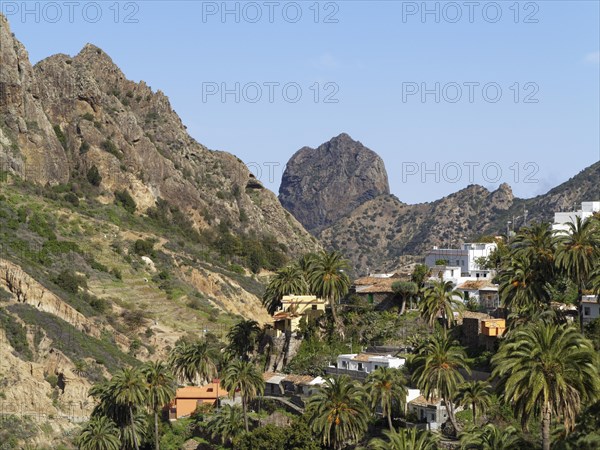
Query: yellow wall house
{"x": 293, "y": 309}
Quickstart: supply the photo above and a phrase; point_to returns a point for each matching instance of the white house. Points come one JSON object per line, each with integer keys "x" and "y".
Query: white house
{"x": 432, "y": 413}
{"x": 359, "y": 365}
{"x": 562, "y": 218}
{"x": 590, "y": 308}
{"x": 482, "y": 291}
{"x": 465, "y": 257}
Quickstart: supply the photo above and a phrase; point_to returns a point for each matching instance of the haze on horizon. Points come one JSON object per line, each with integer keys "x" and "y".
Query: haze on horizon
{"x": 362, "y": 68}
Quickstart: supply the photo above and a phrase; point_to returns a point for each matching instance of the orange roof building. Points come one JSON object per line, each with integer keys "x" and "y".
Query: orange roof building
{"x": 188, "y": 398}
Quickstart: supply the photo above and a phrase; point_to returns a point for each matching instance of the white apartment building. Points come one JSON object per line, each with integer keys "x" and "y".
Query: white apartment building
{"x": 464, "y": 257}
{"x": 561, "y": 219}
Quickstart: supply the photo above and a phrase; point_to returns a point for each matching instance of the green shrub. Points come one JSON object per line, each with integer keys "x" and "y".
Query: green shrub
{"x": 52, "y": 380}
{"x": 69, "y": 281}
{"x": 39, "y": 225}
{"x": 143, "y": 247}
{"x": 116, "y": 272}
{"x": 84, "y": 148}
{"x": 71, "y": 198}
{"x": 195, "y": 303}
{"x": 124, "y": 199}
{"x": 88, "y": 116}
{"x": 133, "y": 319}
{"x": 93, "y": 176}
{"x": 110, "y": 147}
{"x": 61, "y": 136}
{"x": 98, "y": 266}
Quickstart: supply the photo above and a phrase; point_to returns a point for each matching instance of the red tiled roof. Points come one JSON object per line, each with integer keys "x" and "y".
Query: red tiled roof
{"x": 474, "y": 285}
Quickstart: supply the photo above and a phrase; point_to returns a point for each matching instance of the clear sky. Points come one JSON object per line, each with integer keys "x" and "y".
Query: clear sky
{"x": 517, "y": 101}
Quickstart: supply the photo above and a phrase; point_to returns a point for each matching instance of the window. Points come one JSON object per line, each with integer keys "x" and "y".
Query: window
{"x": 586, "y": 311}
{"x": 344, "y": 364}
{"x": 209, "y": 390}
{"x": 314, "y": 307}
{"x": 360, "y": 366}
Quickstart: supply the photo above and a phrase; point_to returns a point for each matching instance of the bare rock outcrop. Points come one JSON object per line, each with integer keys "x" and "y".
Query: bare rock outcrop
{"x": 322, "y": 185}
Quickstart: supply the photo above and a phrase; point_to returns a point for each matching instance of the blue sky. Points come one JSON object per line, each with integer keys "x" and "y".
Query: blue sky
{"x": 374, "y": 58}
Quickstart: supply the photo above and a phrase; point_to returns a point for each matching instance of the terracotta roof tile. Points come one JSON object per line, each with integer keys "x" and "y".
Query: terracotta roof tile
{"x": 299, "y": 379}
{"x": 473, "y": 285}
{"x": 422, "y": 401}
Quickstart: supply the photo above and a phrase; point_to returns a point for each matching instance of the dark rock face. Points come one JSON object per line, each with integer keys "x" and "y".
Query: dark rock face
{"x": 322, "y": 185}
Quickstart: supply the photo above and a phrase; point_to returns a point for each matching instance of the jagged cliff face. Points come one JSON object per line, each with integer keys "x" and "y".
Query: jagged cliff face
{"x": 27, "y": 140}
{"x": 322, "y": 185}
{"x": 134, "y": 138}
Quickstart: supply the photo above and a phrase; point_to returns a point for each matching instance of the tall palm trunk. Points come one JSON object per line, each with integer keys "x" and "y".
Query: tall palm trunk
{"x": 546, "y": 415}
{"x": 474, "y": 415}
{"x": 134, "y": 434}
{"x": 451, "y": 416}
{"x": 580, "y": 306}
{"x": 389, "y": 418}
{"x": 156, "y": 444}
{"x": 336, "y": 320}
{"x": 245, "y": 408}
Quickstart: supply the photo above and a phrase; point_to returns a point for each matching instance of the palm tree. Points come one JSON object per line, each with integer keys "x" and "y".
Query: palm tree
{"x": 578, "y": 253}
{"x": 490, "y": 437}
{"x": 441, "y": 299}
{"x": 100, "y": 433}
{"x": 536, "y": 243}
{"x": 243, "y": 339}
{"x": 406, "y": 439}
{"x": 192, "y": 362}
{"x": 226, "y": 424}
{"x": 405, "y": 290}
{"x": 120, "y": 413}
{"x": 161, "y": 390}
{"x": 522, "y": 288}
{"x": 437, "y": 373}
{"x": 546, "y": 369}
{"x": 288, "y": 281}
{"x": 328, "y": 280}
{"x": 386, "y": 387}
{"x": 129, "y": 390}
{"x": 476, "y": 394}
{"x": 338, "y": 411}
{"x": 242, "y": 376}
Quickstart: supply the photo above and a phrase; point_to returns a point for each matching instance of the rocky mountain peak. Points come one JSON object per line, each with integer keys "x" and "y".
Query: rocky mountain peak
{"x": 319, "y": 186}
{"x": 69, "y": 114}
